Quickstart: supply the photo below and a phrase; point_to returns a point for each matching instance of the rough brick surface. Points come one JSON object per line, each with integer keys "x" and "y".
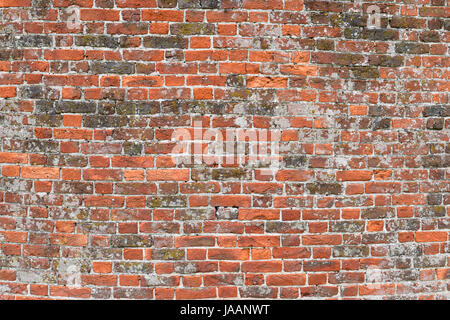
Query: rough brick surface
{"x": 93, "y": 205}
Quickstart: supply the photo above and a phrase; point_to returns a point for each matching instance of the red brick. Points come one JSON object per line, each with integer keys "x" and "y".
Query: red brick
{"x": 40, "y": 173}
{"x": 431, "y": 236}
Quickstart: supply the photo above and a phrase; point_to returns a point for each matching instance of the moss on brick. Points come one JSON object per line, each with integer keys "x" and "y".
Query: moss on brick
{"x": 365, "y": 72}
{"x": 324, "y": 188}
{"x": 183, "y": 29}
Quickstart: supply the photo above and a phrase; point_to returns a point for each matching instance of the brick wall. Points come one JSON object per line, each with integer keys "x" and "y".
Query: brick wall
{"x": 95, "y": 204}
